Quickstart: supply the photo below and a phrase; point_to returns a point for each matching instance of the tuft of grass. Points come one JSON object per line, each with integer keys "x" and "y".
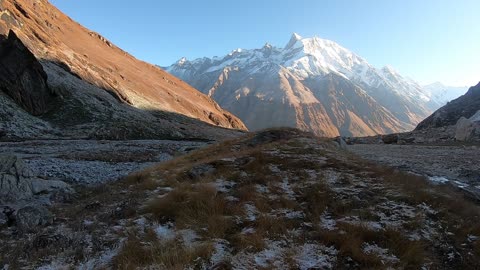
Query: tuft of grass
{"x": 199, "y": 207}
{"x": 165, "y": 255}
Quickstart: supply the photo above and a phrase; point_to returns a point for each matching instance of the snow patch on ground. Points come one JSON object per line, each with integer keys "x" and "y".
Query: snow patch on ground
{"x": 251, "y": 212}
{"x": 164, "y": 232}
{"x": 382, "y": 253}
{"x": 224, "y": 186}
{"x": 327, "y": 222}
{"x": 313, "y": 256}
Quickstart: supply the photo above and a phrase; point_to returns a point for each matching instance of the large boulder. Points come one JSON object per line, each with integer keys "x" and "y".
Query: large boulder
{"x": 31, "y": 217}
{"x": 22, "y": 77}
{"x": 468, "y": 129}
{"x": 17, "y": 181}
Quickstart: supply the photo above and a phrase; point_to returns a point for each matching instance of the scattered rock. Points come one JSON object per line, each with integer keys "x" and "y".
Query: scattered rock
{"x": 56, "y": 241}
{"x": 390, "y": 138}
{"x": 93, "y": 206}
{"x": 401, "y": 142}
{"x": 31, "y": 217}
{"x": 200, "y": 171}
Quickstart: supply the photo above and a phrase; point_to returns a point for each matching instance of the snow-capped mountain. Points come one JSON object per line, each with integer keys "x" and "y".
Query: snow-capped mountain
{"x": 441, "y": 94}
{"x": 311, "y": 83}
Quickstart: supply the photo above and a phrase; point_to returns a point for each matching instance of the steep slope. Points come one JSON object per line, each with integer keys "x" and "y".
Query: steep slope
{"x": 464, "y": 106}
{"x": 60, "y": 42}
{"x": 287, "y": 80}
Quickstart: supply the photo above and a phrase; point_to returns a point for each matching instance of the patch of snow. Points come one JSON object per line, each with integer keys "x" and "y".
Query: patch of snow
{"x": 272, "y": 255}
{"x": 274, "y": 168}
{"x": 288, "y": 213}
{"x": 140, "y": 223}
{"x": 87, "y": 222}
{"x": 382, "y": 253}
{"x": 438, "y": 179}
{"x": 101, "y": 262}
{"x": 461, "y": 184}
{"x": 313, "y": 256}
{"x": 248, "y": 230}
{"x": 224, "y": 186}
{"x": 232, "y": 198}
{"x": 164, "y": 232}
{"x": 251, "y": 212}
{"x": 287, "y": 189}
{"x": 222, "y": 252}
{"x": 472, "y": 238}
{"x": 189, "y": 237}
{"x": 261, "y": 188}
{"x": 327, "y": 223}
{"x": 427, "y": 209}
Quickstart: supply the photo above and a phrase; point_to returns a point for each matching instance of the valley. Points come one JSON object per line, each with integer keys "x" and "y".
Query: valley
{"x": 304, "y": 156}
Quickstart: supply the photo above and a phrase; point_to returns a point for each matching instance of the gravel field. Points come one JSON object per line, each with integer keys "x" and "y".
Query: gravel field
{"x": 93, "y": 162}
{"x": 456, "y": 165}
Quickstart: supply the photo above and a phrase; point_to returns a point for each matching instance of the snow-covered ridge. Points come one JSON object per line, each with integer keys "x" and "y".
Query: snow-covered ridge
{"x": 307, "y": 57}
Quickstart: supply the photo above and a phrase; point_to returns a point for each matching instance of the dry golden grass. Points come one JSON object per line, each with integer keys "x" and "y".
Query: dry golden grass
{"x": 165, "y": 255}
{"x": 195, "y": 204}
{"x": 196, "y": 207}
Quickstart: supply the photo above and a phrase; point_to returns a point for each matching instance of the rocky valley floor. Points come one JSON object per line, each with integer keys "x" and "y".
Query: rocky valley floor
{"x": 270, "y": 200}
{"x": 456, "y": 165}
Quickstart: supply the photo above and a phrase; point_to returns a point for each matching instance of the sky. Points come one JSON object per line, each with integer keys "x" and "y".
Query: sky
{"x": 426, "y": 40}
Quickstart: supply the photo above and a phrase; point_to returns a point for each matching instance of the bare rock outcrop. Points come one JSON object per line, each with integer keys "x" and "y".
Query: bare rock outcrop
{"x": 31, "y": 217}
{"x": 468, "y": 129}
{"x": 22, "y": 76}
{"x": 17, "y": 181}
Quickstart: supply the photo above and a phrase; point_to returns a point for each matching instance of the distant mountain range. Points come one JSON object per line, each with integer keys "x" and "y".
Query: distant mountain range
{"x": 312, "y": 84}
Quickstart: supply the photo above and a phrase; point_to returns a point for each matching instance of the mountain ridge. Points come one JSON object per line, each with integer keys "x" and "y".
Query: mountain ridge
{"x": 102, "y": 91}
{"x": 288, "y": 69}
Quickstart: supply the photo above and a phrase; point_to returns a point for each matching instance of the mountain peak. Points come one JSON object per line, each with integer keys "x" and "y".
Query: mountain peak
{"x": 295, "y": 37}
{"x": 182, "y": 61}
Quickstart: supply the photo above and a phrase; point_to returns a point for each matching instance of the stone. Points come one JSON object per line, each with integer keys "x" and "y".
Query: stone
{"x": 29, "y": 218}
{"x": 22, "y": 77}
{"x": 468, "y": 129}
{"x": 341, "y": 143}
{"x": 464, "y": 129}
{"x": 200, "y": 171}
{"x": 18, "y": 183}
{"x": 390, "y": 138}
{"x": 15, "y": 177}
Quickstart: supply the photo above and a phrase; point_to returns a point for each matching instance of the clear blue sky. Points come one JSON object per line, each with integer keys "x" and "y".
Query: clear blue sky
{"x": 427, "y": 40}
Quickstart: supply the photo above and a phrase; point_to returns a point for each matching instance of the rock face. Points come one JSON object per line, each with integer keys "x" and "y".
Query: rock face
{"x": 312, "y": 84}
{"x": 22, "y": 76}
{"x": 17, "y": 182}
{"x": 31, "y": 217}
{"x": 15, "y": 179}
{"x": 468, "y": 129}
{"x": 465, "y": 106}
{"x": 150, "y": 92}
